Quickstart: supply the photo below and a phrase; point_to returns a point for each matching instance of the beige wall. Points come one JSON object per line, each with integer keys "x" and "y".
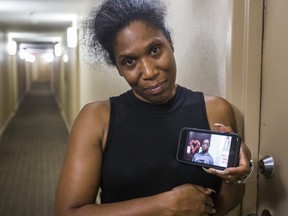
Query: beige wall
{"x": 71, "y": 86}
{"x": 65, "y": 77}
{"x": 3, "y": 80}
{"x": 8, "y": 92}
{"x": 200, "y": 30}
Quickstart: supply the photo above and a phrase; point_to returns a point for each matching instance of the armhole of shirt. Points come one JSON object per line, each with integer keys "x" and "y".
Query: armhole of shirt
{"x": 204, "y": 110}
{"x": 111, "y": 125}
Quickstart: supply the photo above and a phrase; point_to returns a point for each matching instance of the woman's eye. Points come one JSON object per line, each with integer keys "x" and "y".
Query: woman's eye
{"x": 154, "y": 51}
{"x": 128, "y": 61}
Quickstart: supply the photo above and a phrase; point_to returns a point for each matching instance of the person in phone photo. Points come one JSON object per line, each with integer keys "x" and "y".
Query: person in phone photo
{"x": 204, "y": 157}
{"x": 125, "y": 146}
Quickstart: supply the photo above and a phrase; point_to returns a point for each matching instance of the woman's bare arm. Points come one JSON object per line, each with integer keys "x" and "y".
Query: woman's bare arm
{"x": 221, "y": 112}
{"x": 80, "y": 177}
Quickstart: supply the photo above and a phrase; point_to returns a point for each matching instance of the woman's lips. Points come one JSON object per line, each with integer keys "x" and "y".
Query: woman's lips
{"x": 155, "y": 89}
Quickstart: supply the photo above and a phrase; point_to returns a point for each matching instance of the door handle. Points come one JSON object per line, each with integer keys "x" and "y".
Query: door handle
{"x": 267, "y": 166}
{"x": 265, "y": 212}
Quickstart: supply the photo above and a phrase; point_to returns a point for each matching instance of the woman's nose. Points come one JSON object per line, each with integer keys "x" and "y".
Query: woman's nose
{"x": 147, "y": 69}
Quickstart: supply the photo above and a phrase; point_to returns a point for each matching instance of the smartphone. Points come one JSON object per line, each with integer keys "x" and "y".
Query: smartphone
{"x": 208, "y": 148}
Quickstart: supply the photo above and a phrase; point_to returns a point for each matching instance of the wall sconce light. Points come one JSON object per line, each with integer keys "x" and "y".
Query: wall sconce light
{"x": 30, "y": 58}
{"x": 65, "y": 58}
{"x": 72, "y": 37}
{"x": 48, "y": 57}
{"x": 58, "y": 50}
{"x": 22, "y": 53}
{"x": 25, "y": 55}
{"x": 12, "y": 47}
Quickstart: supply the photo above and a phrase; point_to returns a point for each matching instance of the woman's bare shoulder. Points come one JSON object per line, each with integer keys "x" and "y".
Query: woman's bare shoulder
{"x": 219, "y": 110}
{"x": 217, "y": 103}
{"x": 96, "y": 106}
{"x": 97, "y": 111}
{"x": 93, "y": 121}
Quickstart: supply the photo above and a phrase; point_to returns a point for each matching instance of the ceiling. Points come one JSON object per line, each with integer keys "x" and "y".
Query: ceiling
{"x": 40, "y": 20}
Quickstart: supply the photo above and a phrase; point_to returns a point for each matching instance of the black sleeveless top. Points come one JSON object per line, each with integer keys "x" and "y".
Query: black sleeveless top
{"x": 140, "y": 155}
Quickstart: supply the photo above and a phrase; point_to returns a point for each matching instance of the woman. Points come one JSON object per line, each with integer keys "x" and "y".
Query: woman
{"x": 127, "y": 145}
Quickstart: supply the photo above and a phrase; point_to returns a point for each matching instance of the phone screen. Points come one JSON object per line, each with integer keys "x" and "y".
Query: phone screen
{"x": 208, "y": 148}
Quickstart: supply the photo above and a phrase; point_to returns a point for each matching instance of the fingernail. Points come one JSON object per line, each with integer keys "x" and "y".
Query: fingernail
{"x": 207, "y": 170}
{"x": 211, "y": 190}
{"x": 217, "y": 171}
{"x": 222, "y": 172}
{"x": 218, "y": 124}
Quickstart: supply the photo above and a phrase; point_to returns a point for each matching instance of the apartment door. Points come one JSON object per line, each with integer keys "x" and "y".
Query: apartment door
{"x": 273, "y": 188}
{"x": 258, "y": 85}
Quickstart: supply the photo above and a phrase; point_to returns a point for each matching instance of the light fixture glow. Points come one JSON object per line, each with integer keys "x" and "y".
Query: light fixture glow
{"x": 65, "y": 58}
{"x": 58, "y": 50}
{"x": 12, "y": 47}
{"x": 30, "y": 57}
{"x": 22, "y": 53}
{"x": 72, "y": 37}
{"x": 49, "y": 57}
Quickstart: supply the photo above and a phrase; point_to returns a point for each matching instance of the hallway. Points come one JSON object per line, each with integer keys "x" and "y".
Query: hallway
{"x": 31, "y": 154}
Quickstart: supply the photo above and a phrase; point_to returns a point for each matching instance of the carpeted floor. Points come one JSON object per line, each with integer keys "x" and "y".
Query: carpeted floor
{"x": 31, "y": 154}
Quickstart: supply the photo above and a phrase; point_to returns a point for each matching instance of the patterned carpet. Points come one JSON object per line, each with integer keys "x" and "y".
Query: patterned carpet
{"x": 31, "y": 154}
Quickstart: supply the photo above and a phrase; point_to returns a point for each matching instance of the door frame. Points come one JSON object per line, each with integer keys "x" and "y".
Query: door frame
{"x": 244, "y": 82}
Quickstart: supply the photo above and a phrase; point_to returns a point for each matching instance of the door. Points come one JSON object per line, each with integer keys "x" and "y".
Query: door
{"x": 257, "y": 83}
{"x": 273, "y": 191}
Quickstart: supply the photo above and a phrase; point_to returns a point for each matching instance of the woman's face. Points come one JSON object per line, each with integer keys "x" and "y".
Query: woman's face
{"x": 144, "y": 57}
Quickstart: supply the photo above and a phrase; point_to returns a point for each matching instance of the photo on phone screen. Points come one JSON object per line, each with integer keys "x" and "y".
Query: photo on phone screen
{"x": 208, "y": 148}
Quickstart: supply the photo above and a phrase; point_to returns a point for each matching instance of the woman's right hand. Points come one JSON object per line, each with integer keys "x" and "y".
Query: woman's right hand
{"x": 191, "y": 200}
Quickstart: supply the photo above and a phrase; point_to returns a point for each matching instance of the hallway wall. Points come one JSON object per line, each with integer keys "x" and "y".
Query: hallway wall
{"x": 65, "y": 82}
{"x": 16, "y": 76}
{"x": 7, "y": 91}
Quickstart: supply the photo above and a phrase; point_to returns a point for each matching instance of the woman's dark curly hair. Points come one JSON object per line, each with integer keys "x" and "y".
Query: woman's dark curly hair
{"x": 103, "y": 23}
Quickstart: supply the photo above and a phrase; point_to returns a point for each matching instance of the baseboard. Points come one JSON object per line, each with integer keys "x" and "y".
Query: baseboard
{"x": 2, "y": 129}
